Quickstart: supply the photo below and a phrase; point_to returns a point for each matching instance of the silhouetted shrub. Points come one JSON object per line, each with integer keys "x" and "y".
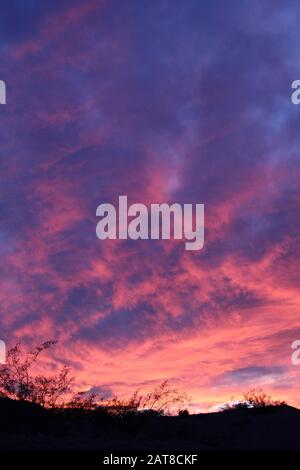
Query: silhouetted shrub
{"x": 164, "y": 398}
{"x": 255, "y": 398}
{"x": 56, "y": 391}
{"x": 17, "y": 382}
{"x": 161, "y": 400}
{"x": 183, "y": 413}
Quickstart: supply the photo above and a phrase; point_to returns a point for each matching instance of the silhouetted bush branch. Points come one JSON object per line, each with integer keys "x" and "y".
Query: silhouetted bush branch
{"x": 162, "y": 400}
{"x": 16, "y": 381}
{"x": 56, "y": 391}
{"x": 255, "y": 398}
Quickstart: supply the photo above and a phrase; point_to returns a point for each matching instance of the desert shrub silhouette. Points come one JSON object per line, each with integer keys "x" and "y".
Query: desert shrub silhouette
{"x": 56, "y": 391}
{"x": 160, "y": 401}
{"x": 254, "y": 398}
{"x": 183, "y": 412}
{"x": 44, "y": 412}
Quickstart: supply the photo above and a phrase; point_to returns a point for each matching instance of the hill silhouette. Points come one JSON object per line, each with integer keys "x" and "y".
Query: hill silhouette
{"x": 28, "y": 426}
{"x": 46, "y": 414}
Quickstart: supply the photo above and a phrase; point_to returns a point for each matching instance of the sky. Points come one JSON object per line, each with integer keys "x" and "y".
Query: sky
{"x": 162, "y": 101}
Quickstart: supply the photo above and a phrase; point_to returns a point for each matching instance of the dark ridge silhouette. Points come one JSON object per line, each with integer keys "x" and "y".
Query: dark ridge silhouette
{"x": 45, "y": 413}
{"x": 29, "y": 426}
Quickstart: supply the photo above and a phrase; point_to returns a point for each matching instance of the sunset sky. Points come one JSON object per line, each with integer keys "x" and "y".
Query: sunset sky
{"x": 162, "y": 101}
